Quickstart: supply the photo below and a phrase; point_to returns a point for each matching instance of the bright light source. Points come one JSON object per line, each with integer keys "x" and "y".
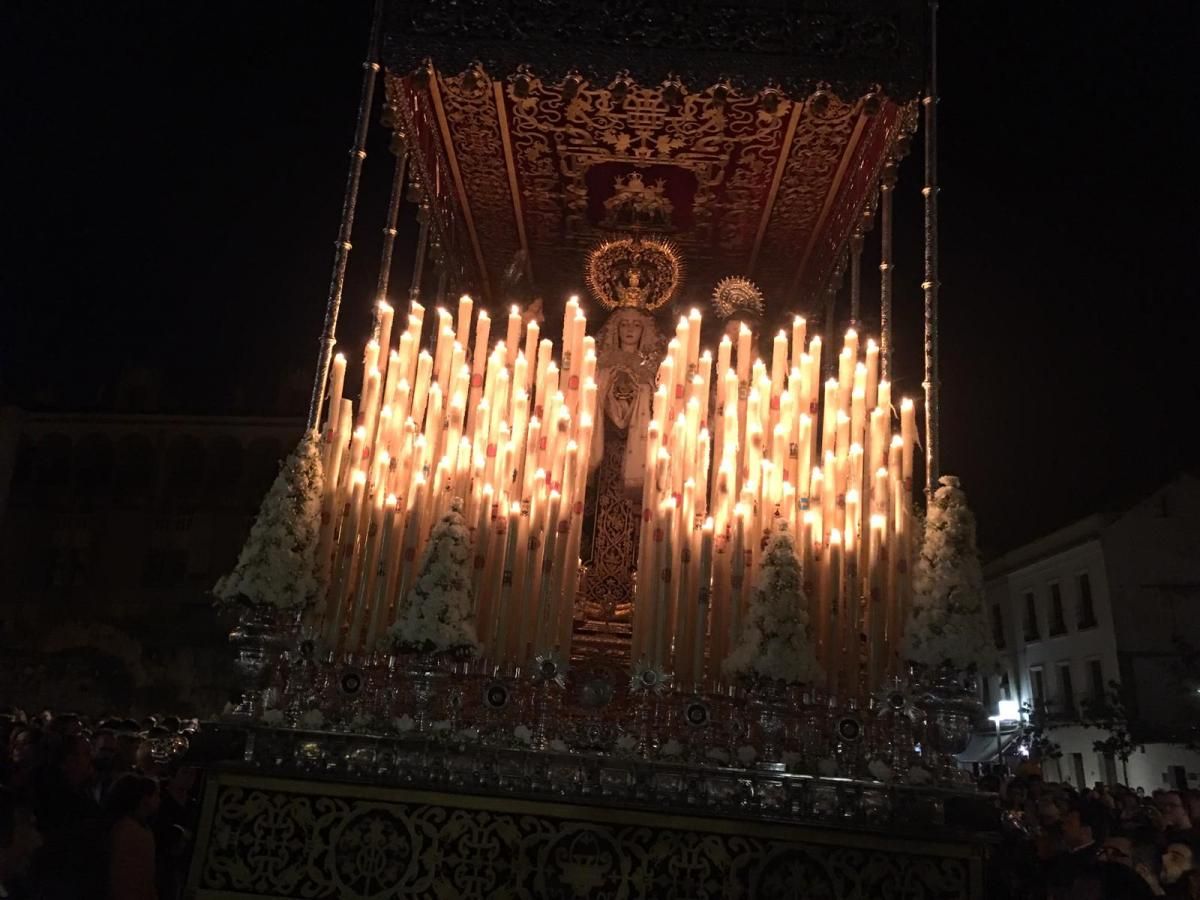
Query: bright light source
{"x": 1008, "y": 710}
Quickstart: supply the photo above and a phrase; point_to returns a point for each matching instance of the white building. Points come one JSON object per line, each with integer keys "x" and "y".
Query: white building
{"x": 1102, "y": 601}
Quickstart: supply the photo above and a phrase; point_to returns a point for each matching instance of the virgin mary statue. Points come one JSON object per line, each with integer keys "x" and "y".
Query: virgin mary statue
{"x": 626, "y": 350}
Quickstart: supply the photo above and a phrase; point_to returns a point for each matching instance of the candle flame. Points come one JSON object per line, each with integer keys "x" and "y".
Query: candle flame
{"x": 391, "y": 500}
{"x": 835, "y": 536}
{"x": 340, "y": 359}
{"x": 384, "y": 306}
{"x": 878, "y": 520}
{"x": 906, "y": 404}
{"x": 358, "y": 476}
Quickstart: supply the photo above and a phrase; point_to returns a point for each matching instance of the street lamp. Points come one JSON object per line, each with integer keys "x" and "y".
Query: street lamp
{"x": 1006, "y": 711}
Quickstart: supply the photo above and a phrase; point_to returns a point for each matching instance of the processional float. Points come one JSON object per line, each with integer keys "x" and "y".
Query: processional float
{"x": 669, "y": 557}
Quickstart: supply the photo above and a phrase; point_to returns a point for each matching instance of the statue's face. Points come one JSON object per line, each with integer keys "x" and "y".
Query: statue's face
{"x": 629, "y": 332}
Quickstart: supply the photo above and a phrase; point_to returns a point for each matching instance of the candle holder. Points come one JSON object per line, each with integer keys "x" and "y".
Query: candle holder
{"x": 259, "y": 639}
{"x": 951, "y": 707}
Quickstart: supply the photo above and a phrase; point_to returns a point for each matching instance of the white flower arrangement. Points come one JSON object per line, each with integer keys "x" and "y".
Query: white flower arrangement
{"x": 523, "y": 735}
{"x": 627, "y": 743}
{"x": 468, "y": 734}
{"x": 672, "y": 747}
{"x": 273, "y": 717}
{"x": 719, "y": 755}
{"x": 441, "y": 726}
{"x": 404, "y": 724}
{"x": 774, "y": 643}
{"x": 278, "y": 565}
{"x": 948, "y": 623}
{"x": 438, "y": 614}
{"x": 558, "y": 746}
{"x": 747, "y": 755}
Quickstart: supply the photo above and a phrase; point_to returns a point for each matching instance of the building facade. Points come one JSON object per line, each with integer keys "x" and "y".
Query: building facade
{"x": 113, "y": 529}
{"x": 1090, "y": 616}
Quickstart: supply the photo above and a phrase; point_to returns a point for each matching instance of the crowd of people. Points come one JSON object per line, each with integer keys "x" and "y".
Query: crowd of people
{"x": 96, "y": 809}
{"x": 106, "y": 810}
{"x": 1105, "y": 843}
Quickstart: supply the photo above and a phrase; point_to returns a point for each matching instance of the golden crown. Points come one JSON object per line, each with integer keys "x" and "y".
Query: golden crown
{"x": 736, "y": 294}
{"x": 638, "y": 272}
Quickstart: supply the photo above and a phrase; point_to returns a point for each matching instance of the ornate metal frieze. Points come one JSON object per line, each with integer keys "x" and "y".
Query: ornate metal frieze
{"x": 270, "y": 837}
{"x": 849, "y": 45}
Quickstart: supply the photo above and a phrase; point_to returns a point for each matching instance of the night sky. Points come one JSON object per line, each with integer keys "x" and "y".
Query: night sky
{"x": 174, "y": 174}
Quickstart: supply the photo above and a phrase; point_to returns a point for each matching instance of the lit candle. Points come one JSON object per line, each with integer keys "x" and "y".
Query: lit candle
{"x": 908, "y": 434}
{"x": 505, "y": 619}
{"x": 383, "y": 331}
{"x": 513, "y": 336}
{"x": 368, "y": 573}
{"x": 875, "y": 609}
{"x": 872, "y": 381}
{"x": 852, "y": 345}
{"x": 743, "y": 354}
{"x": 737, "y": 572}
{"x": 421, "y": 388}
{"x": 462, "y": 332}
{"x": 547, "y": 617}
{"x": 829, "y": 418}
{"x": 779, "y": 357}
{"x": 532, "y": 332}
{"x": 345, "y": 556}
{"x": 799, "y": 331}
{"x": 663, "y": 538}
{"x": 703, "y": 597}
{"x": 831, "y": 614}
{"x": 337, "y": 381}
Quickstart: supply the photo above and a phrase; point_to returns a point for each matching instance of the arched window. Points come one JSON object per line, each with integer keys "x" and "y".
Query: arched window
{"x": 185, "y": 473}
{"x": 54, "y": 470}
{"x": 224, "y": 474}
{"x": 23, "y": 487}
{"x": 95, "y": 461}
{"x": 263, "y": 458}
{"x": 137, "y": 470}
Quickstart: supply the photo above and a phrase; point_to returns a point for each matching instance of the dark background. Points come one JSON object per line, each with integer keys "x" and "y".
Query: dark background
{"x": 173, "y": 177}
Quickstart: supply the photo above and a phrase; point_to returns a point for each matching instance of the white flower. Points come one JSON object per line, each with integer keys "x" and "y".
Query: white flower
{"x": 272, "y": 717}
{"x": 558, "y": 746}
{"x": 746, "y": 754}
{"x": 441, "y": 725}
{"x": 792, "y": 759}
{"x": 627, "y": 742}
{"x": 880, "y": 770}
{"x": 523, "y": 734}
{"x": 468, "y": 734}
{"x": 719, "y": 755}
{"x": 827, "y": 766}
{"x": 278, "y": 565}
{"x": 404, "y": 724}
{"x": 948, "y": 622}
{"x": 314, "y": 718}
{"x": 437, "y": 615}
{"x": 360, "y": 722}
{"x": 672, "y": 748}
{"x": 774, "y": 641}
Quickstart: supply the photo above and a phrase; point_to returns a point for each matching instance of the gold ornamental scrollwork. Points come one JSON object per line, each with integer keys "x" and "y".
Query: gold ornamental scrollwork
{"x": 635, "y": 272}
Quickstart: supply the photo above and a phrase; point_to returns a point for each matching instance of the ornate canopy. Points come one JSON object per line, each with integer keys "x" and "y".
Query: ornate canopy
{"x": 752, "y": 135}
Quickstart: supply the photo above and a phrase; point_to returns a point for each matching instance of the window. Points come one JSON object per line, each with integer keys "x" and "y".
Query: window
{"x": 998, "y": 626}
{"x": 1087, "y": 614}
{"x": 1031, "y": 623}
{"x": 1037, "y": 685}
{"x": 1058, "y": 624}
{"x": 1066, "y": 688}
{"x": 1096, "y": 680}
